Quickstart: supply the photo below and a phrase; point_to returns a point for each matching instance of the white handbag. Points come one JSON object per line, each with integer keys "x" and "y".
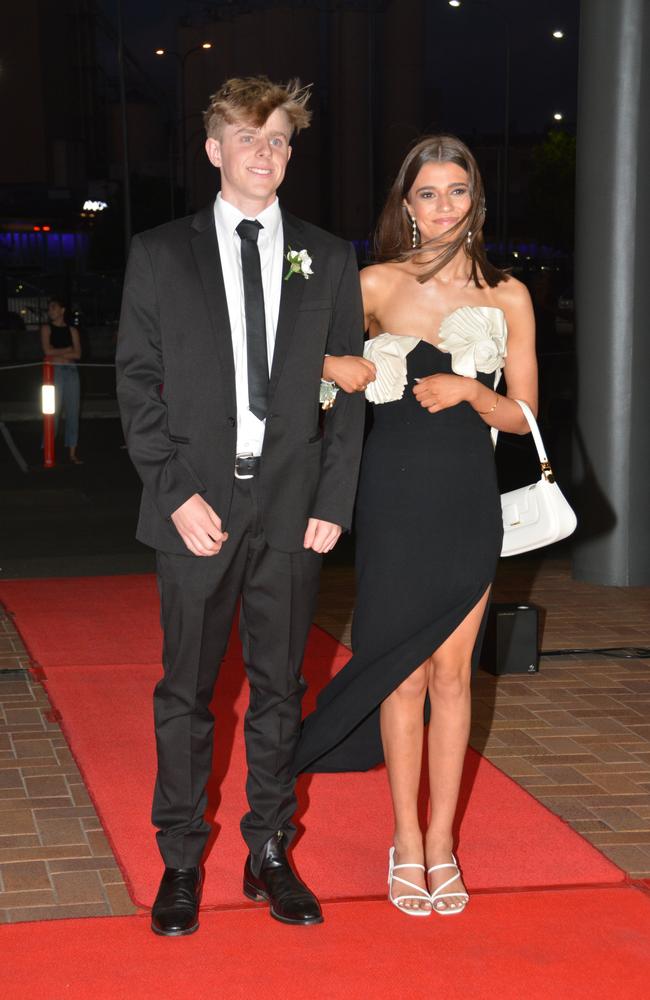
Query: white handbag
{"x": 538, "y": 514}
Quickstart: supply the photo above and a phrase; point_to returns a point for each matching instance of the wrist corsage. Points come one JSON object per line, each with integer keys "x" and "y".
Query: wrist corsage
{"x": 327, "y": 394}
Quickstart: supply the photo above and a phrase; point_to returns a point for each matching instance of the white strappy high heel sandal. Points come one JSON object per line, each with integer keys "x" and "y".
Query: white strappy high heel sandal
{"x": 419, "y": 893}
{"x": 439, "y": 893}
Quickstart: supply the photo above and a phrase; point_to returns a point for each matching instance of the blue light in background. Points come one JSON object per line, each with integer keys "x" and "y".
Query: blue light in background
{"x": 36, "y": 248}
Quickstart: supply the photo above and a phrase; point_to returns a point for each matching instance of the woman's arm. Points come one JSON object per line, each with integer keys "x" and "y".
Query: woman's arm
{"x": 520, "y": 370}
{"x": 48, "y": 350}
{"x": 74, "y": 352}
{"x": 350, "y": 373}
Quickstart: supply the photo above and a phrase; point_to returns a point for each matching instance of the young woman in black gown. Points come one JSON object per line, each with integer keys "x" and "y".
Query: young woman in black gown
{"x": 443, "y": 322}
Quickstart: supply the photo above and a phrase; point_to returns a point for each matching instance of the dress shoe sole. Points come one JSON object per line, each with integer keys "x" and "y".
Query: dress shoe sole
{"x": 161, "y": 933}
{"x": 257, "y": 896}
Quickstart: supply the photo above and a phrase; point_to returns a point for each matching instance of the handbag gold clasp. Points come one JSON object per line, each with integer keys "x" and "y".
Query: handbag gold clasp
{"x": 547, "y": 472}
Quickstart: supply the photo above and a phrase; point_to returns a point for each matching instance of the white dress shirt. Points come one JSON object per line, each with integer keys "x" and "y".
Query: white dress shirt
{"x": 250, "y": 430}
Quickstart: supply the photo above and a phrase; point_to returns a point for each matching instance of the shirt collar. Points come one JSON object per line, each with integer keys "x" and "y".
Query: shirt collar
{"x": 229, "y": 216}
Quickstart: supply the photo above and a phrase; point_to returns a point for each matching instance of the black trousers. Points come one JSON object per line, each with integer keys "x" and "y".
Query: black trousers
{"x": 199, "y": 598}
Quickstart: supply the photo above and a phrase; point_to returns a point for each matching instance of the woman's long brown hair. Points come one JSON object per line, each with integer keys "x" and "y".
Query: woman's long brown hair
{"x": 393, "y": 233}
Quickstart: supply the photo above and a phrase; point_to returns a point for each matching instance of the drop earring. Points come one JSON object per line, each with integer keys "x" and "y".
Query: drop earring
{"x": 468, "y": 241}
{"x": 414, "y": 232}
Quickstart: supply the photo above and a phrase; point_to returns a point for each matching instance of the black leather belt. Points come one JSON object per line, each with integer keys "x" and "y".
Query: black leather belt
{"x": 247, "y": 466}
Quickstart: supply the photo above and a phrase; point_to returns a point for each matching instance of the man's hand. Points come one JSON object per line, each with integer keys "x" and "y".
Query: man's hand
{"x": 321, "y": 536}
{"x": 199, "y": 527}
{"x": 352, "y": 374}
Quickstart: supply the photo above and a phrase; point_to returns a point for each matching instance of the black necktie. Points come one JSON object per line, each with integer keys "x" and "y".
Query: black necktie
{"x": 258, "y": 366}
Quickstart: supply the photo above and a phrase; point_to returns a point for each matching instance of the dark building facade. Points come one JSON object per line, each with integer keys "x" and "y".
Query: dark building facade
{"x": 369, "y": 96}
{"x": 53, "y": 121}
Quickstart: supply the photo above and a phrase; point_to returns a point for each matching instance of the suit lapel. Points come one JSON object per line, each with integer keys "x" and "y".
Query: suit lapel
{"x": 290, "y": 299}
{"x": 206, "y": 255}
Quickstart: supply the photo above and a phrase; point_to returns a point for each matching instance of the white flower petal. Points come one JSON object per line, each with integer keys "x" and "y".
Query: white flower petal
{"x": 300, "y": 261}
{"x": 463, "y": 361}
{"x": 476, "y": 338}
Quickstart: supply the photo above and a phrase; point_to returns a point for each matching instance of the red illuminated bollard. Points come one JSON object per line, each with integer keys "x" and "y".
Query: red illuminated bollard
{"x": 49, "y": 408}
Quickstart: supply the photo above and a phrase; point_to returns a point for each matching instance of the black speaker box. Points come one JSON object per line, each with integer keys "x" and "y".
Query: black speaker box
{"x": 510, "y": 645}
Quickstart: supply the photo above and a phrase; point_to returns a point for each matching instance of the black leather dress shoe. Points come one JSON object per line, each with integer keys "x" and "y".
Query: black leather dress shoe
{"x": 269, "y": 877}
{"x": 176, "y": 909}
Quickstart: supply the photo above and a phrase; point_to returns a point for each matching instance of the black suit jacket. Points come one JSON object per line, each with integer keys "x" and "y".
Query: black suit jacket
{"x": 176, "y": 383}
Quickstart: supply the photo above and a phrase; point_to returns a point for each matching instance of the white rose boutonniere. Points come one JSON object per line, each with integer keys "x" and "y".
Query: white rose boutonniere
{"x": 299, "y": 263}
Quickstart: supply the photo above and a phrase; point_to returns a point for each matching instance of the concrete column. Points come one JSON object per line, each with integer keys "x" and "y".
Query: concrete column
{"x": 612, "y": 446}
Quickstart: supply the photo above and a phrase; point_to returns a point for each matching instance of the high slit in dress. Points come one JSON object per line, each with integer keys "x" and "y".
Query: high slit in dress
{"x": 428, "y": 536}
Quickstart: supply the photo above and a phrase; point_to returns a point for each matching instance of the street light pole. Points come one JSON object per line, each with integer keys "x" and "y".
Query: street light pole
{"x": 181, "y": 60}
{"x": 506, "y": 147}
{"x": 371, "y": 108}
{"x": 503, "y": 186}
{"x": 126, "y": 179}
{"x": 502, "y": 229}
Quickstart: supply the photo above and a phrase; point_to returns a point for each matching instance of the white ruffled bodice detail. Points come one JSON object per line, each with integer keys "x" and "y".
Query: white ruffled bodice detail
{"x": 475, "y": 337}
{"x": 388, "y": 353}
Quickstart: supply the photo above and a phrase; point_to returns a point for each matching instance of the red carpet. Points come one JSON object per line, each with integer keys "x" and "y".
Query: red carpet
{"x": 85, "y": 620}
{"x": 586, "y": 944}
{"x": 99, "y": 620}
{"x": 506, "y": 839}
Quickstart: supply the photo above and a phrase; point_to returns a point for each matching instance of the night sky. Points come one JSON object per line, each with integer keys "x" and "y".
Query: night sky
{"x": 466, "y": 53}
{"x": 467, "y": 47}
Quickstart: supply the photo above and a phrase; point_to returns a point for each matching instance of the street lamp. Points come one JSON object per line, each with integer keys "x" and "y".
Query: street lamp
{"x": 181, "y": 60}
{"x": 558, "y": 116}
{"x": 558, "y": 34}
{"x": 170, "y": 52}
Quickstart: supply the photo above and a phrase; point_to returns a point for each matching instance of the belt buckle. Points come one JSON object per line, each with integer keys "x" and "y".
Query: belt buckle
{"x": 248, "y": 454}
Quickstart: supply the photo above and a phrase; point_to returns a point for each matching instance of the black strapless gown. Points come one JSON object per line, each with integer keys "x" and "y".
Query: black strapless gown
{"x": 428, "y": 537}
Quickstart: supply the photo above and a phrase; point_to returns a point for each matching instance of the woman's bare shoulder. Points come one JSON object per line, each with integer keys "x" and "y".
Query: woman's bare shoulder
{"x": 376, "y": 273}
{"x": 379, "y": 279}
{"x": 511, "y": 293}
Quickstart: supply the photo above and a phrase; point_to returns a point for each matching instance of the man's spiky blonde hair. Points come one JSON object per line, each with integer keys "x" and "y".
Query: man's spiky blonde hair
{"x": 253, "y": 99}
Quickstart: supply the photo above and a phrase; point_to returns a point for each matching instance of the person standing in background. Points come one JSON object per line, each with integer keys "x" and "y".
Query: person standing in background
{"x": 61, "y": 346}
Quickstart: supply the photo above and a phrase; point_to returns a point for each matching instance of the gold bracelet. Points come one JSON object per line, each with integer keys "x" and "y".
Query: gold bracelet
{"x": 492, "y": 408}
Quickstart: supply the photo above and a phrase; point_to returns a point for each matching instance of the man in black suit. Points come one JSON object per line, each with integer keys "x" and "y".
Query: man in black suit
{"x": 226, "y": 319}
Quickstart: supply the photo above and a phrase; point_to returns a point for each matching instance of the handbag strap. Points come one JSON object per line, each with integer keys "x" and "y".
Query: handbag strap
{"x": 534, "y": 430}
{"x": 547, "y": 471}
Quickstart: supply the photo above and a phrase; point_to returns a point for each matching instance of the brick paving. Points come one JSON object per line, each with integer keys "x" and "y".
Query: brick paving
{"x": 576, "y": 736}
{"x": 572, "y": 614}
{"x": 55, "y": 860}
